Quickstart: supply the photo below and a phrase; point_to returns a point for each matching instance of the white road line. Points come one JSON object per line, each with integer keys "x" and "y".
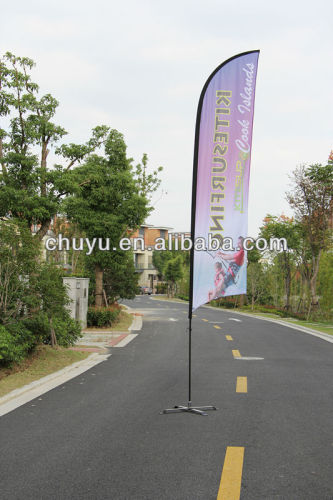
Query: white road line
{"x": 249, "y": 358}
{"x": 234, "y": 319}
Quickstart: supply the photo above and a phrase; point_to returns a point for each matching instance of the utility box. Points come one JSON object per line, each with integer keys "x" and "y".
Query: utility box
{"x": 77, "y": 289}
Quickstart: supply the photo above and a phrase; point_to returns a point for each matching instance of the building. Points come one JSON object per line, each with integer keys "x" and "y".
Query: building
{"x": 143, "y": 253}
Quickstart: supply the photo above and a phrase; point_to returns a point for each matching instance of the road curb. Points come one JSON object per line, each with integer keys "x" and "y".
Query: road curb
{"x": 136, "y": 324}
{"x": 28, "y": 392}
{"x": 137, "y": 320}
{"x": 304, "y": 329}
{"x": 19, "y": 397}
{"x": 179, "y": 301}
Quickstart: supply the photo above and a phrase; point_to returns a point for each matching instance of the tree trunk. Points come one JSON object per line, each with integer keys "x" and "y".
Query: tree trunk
{"x": 45, "y": 152}
{"x": 252, "y": 298}
{"x": 287, "y": 288}
{"x": 43, "y": 229}
{"x": 2, "y": 164}
{"x": 287, "y": 281}
{"x": 313, "y": 281}
{"x": 105, "y": 299}
{"x": 98, "y": 286}
{"x": 53, "y": 334}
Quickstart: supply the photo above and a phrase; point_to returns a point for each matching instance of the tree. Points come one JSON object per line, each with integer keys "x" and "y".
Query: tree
{"x": 173, "y": 272}
{"x": 18, "y": 261}
{"x": 30, "y": 190}
{"x": 120, "y": 278}
{"x": 33, "y": 298}
{"x": 256, "y": 283}
{"x": 63, "y": 257}
{"x": 107, "y": 205}
{"x": 312, "y": 201}
{"x": 148, "y": 182}
{"x": 283, "y": 227}
{"x": 325, "y": 284}
{"x": 168, "y": 268}
{"x": 161, "y": 258}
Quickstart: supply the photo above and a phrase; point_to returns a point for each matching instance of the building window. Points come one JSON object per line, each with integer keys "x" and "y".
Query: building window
{"x": 163, "y": 233}
{"x": 141, "y": 232}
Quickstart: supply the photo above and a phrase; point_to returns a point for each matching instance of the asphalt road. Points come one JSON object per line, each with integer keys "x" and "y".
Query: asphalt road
{"x": 101, "y": 436}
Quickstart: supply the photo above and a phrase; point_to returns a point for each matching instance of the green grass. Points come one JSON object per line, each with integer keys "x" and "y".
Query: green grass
{"x": 323, "y": 327}
{"x": 320, "y": 327}
{"x": 43, "y": 361}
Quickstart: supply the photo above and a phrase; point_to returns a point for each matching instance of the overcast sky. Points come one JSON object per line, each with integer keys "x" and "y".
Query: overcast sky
{"x": 140, "y": 66}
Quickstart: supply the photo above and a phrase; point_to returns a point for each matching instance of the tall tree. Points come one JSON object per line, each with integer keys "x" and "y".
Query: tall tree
{"x": 173, "y": 272}
{"x": 18, "y": 261}
{"x": 283, "y": 227}
{"x": 30, "y": 190}
{"x": 107, "y": 205}
{"x": 312, "y": 201}
{"x": 30, "y": 289}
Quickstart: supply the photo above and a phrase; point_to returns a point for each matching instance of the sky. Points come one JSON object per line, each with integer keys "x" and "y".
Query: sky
{"x": 139, "y": 67}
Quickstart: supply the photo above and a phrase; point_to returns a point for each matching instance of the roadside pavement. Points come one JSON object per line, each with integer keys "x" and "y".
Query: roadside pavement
{"x": 99, "y": 343}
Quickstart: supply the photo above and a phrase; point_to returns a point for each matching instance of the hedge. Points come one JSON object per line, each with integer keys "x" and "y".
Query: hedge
{"x": 102, "y": 316}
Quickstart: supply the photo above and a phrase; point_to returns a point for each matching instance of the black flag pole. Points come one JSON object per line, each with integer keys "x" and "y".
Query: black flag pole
{"x": 199, "y": 410}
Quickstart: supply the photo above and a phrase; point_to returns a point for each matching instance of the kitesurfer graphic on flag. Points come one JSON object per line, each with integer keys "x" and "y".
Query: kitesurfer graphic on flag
{"x": 227, "y": 274}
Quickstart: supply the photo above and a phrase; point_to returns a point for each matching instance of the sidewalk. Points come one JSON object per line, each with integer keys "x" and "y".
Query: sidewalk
{"x": 100, "y": 339}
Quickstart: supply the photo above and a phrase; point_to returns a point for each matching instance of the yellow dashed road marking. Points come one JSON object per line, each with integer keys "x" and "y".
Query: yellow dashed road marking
{"x": 241, "y": 385}
{"x": 203, "y": 319}
{"x": 229, "y": 337}
{"x": 236, "y": 353}
{"x": 231, "y": 479}
{"x": 217, "y": 327}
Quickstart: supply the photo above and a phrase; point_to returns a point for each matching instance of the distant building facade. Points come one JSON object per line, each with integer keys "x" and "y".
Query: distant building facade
{"x": 143, "y": 256}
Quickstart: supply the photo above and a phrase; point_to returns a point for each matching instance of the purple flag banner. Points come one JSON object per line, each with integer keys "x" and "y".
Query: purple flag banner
{"x": 221, "y": 175}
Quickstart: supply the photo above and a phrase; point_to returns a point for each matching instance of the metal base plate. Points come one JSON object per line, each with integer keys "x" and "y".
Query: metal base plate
{"x": 199, "y": 410}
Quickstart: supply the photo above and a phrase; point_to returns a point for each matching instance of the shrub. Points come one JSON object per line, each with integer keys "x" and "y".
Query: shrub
{"x": 182, "y": 297}
{"x": 161, "y": 288}
{"x": 15, "y": 342}
{"x": 67, "y": 330}
{"x": 39, "y": 325}
{"x": 227, "y": 304}
{"x": 102, "y": 316}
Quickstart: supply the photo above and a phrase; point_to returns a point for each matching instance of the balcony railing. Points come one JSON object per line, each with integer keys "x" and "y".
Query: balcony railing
{"x": 143, "y": 266}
